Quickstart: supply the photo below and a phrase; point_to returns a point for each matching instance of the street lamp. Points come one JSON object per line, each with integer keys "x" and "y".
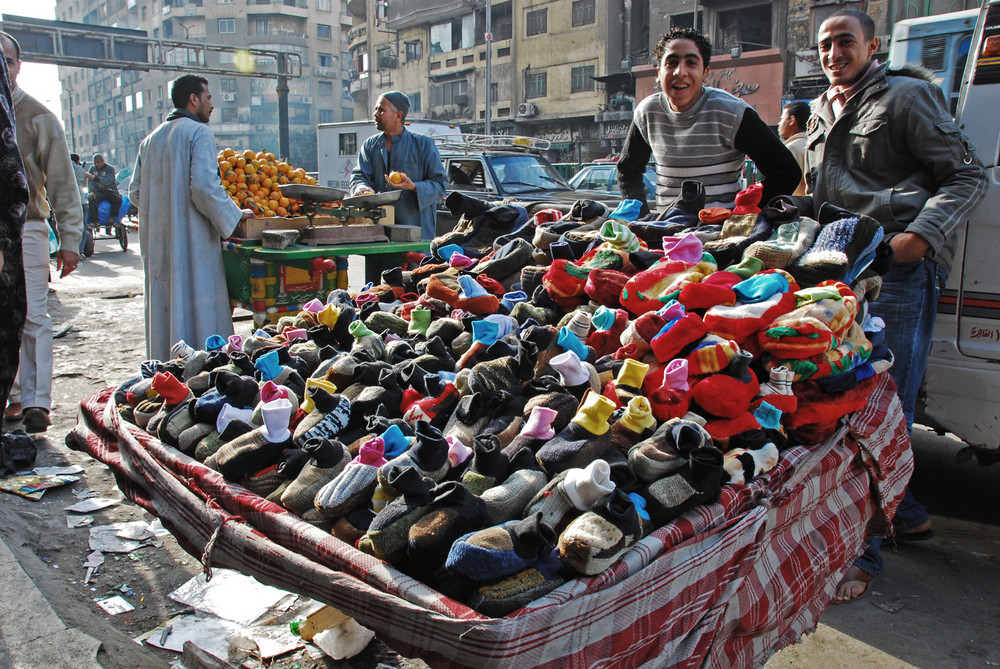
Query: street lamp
{"x": 72, "y": 123}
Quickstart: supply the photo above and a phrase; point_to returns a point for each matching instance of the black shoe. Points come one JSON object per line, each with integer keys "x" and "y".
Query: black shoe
{"x": 36, "y": 420}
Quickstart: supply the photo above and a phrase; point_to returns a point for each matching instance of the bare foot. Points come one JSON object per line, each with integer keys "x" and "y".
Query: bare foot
{"x": 919, "y": 533}
{"x": 853, "y": 586}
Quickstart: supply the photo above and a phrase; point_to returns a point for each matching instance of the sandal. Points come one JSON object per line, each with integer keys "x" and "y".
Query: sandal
{"x": 853, "y": 586}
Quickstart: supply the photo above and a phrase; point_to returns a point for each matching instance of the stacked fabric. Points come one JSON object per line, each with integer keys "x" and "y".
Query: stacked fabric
{"x": 544, "y": 391}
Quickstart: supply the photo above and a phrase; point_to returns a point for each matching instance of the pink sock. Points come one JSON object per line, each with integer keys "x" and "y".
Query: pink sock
{"x": 539, "y": 423}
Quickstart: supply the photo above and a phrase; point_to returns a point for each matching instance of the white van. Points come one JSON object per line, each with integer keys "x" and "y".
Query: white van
{"x": 961, "y": 392}
{"x": 940, "y": 43}
{"x": 337, "y": 146}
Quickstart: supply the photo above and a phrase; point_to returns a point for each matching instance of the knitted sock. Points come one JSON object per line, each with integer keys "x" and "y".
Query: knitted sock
{"x": 571, "y": 492}
{"x": 677, "y": 335}
{"x": 760, "y": 299}
{"x": 605, "y": 286}
{"x": 354, "y": 486}
{"x": 327, "y": 459}
{"x": 468, "y": 418}
{"x": 715, "y": 289}
{"x": 596, "y": 539}
{"x": 493, "y": 376}
{"x": 836, "y": 248}
{"x": 434, "y": 410}
{"x": 514, "y": 592}
{"x": 565, "y": 283}
{"x": 488, "y": 467}
{"x": 502, "y": 550}
{"x": 189, "y": 438}
{"x": 177, "y": 419}
{"x": 711, "y": 355}
{"x": 687, "y": 205}
{"x": 667, "y": 449}
{"x": 536, "y": 431}
{"x": 508, "y": 500}
{"x": 454, "y": 512}
{"x": 699, "y": 483}
{"x": 628, "y": 383}
{"x": 428, "y": 454}
{"x": 786, "y": 245}
{"x": 258, "y": 449}
{"x": 353, "y": 525}
{"x": 637, "y": 423}
{"x": 671, "y": 398}
{"x": 814, "y": 327}
{"x": 330, "y": 415}
{"x": 609, "y": 325}
{"x": 578, "y": 377}
{"x": 213, "y": 441}
{"x": 389, "y": 530}
{"x": 743, "y": 464}
{"x": 583, "y": 440}
{"x": 729, "y": 393}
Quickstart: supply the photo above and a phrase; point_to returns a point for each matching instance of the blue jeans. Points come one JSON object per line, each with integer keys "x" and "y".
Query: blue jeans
{"x": 908, "y": 305}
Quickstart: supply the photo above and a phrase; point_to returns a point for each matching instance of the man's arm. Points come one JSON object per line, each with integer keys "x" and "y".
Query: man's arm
{"x": 762, "y": 145}
{"x": 632, "y": 166}
{"x": 950, "y": 160}
{"x": 60, "y": 188}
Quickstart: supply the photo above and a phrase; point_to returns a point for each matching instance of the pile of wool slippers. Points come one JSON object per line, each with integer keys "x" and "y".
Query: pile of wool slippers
{"x": 512, "y": 414}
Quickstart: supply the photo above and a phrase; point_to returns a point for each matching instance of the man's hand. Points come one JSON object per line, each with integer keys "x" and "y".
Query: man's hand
{"x": 908, "y": 247}
{"x": 246, "y": 213}
{"x": 362, "y": 189}
{"x": 67, "y": 262}
{"x": 405, "y": 184}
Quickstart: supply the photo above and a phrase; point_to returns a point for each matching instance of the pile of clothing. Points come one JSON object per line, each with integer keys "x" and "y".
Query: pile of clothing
{"x": 545, "y": 390}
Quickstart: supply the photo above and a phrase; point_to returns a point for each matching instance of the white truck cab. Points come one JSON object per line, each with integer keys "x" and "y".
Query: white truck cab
{"x": 961, "y": 391}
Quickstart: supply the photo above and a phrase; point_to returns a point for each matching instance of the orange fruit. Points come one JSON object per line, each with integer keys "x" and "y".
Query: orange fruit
{"x": 397, "y": 177}
{"x": 241, "y": 162}
{"x": 225, "y": 166}
{"x": 283, "y": 202}
{"x": 281, "y": 211}
{"x": 248, "y": 155}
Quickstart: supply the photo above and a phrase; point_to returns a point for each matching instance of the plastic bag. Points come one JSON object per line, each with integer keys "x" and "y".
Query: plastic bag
{"x": 17, "y": 452}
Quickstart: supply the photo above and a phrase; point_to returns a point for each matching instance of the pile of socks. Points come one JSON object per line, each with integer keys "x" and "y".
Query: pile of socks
{"x": 541, "y": 393}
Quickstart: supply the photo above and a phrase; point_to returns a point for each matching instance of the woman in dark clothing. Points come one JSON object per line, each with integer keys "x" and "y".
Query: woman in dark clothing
{"x": 13, "y": 205}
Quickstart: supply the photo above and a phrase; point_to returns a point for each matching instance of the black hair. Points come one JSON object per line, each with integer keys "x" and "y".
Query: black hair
{"x": 185, "y": 87}
{"x": 799, "y": 111}
{"x": 17, "y": 47}
{"x": 867, "y": 23}
{"x": 702, "y": 42}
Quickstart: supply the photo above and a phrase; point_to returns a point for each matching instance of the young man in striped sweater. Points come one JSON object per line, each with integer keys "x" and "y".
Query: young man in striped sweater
{"x": 698, "y": 133}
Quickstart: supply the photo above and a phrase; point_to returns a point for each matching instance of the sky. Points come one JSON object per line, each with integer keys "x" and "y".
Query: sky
{"x": 41, "y": 81}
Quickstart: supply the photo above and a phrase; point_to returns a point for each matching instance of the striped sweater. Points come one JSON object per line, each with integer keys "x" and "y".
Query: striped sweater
{"x": 697, "y": 144}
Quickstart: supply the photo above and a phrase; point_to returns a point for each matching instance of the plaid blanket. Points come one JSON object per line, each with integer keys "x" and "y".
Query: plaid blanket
{"x": 725, "y": 585}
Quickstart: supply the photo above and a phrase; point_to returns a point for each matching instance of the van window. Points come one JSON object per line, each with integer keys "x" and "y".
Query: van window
{"x": 348, "y": 144}
{"x": 956, "y": 76}
{"x": 466, "y": 175}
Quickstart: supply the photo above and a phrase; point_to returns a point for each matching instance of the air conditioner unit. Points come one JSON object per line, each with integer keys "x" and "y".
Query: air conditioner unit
{"x": 229, "y": 97}
{"x": 307, "y": 99}
{"x": 527, "y": 109}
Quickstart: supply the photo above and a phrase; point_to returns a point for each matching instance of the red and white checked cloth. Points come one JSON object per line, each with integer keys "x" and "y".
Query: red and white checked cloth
{"x": 726, "y": 585}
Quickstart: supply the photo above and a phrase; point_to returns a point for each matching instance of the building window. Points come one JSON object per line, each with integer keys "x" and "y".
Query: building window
{"x": 535, "y": 85}
{"x": 324, "y": 89}
{"x": 347, "y": 114}
{"x": 225, "y": 2}
{"x": 386, "y": 58}
{"x": 457, "y": 34}
{"x": 537, "y": 22}
{"x": 229, "y": 115}
{"x": 326, "y": 116}
{"x": 168, "y": 29}
{"x": 226, "y": 26}
{"x": 228, "y": 85}
{"x": 582, "y": 79}
{"x": 686, "y": 20}
{"x": 323, "y": 6}
{"x": 584, "y": 12}
{"x": 322, "y": 31}
{"x": 348, "y": 144}
{"x": 445, "y": 94}
{"x": 414, "y": 102}
{"x": 748, "y": 28}
{"x": 503, "y": 24}
{"x": 414, "y": 51}
{"x": 324, "y": 59}
{"x": 261, "y": 26}
{"x": 227, "y": 57}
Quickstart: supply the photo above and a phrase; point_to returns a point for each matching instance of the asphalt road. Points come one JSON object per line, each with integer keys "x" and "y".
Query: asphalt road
{"x": 936, "y": 604}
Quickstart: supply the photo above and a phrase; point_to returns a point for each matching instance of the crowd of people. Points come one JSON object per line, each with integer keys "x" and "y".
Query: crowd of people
{"x": 685, "y": 129}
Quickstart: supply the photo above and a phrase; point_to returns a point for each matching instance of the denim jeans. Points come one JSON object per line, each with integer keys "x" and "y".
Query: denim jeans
{"x": 908, "y": 305}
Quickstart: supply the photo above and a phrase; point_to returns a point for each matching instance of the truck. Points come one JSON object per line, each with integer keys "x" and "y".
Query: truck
{"x": 337, "y": 146}
{"x": 961, "y": 387}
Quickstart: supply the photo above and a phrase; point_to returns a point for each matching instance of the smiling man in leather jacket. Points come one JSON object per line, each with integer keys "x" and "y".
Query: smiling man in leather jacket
{"x": 882, "y": 143}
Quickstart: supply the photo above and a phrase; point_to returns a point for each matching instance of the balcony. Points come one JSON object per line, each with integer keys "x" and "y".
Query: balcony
{"x": 357, "y": 35}
{"x": 288, "y": 8}
{"x": 359, "y": 85}
{"x": 325, "y": 72}
{"x": 357, "y": 8}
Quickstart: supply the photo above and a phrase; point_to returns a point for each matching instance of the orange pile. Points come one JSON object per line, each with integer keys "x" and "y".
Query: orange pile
{"x": 252, "y": 177}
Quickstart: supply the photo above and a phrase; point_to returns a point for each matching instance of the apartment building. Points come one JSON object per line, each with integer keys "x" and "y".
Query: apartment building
{"x": 559, "y": 70}
{"x": 111, "y": 111}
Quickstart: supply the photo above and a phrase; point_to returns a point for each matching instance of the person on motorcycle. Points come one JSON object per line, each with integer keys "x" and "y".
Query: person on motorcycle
{"x": 103, "y": 188}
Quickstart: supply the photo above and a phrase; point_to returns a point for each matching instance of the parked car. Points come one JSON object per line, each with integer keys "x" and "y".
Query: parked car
{"x": 603, "y": 178}
{"x": 495, "y": 168}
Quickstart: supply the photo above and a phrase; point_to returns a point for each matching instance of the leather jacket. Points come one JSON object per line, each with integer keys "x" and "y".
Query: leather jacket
{"x": 897, "y": 155}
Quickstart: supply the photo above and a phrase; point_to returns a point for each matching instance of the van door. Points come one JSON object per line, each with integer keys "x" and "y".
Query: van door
{"x": 977, "y": 301}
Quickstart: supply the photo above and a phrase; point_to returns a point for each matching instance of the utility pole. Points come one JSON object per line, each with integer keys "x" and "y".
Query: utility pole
{"x": 489, "y": 58}
{"x": 72, "y": 121}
